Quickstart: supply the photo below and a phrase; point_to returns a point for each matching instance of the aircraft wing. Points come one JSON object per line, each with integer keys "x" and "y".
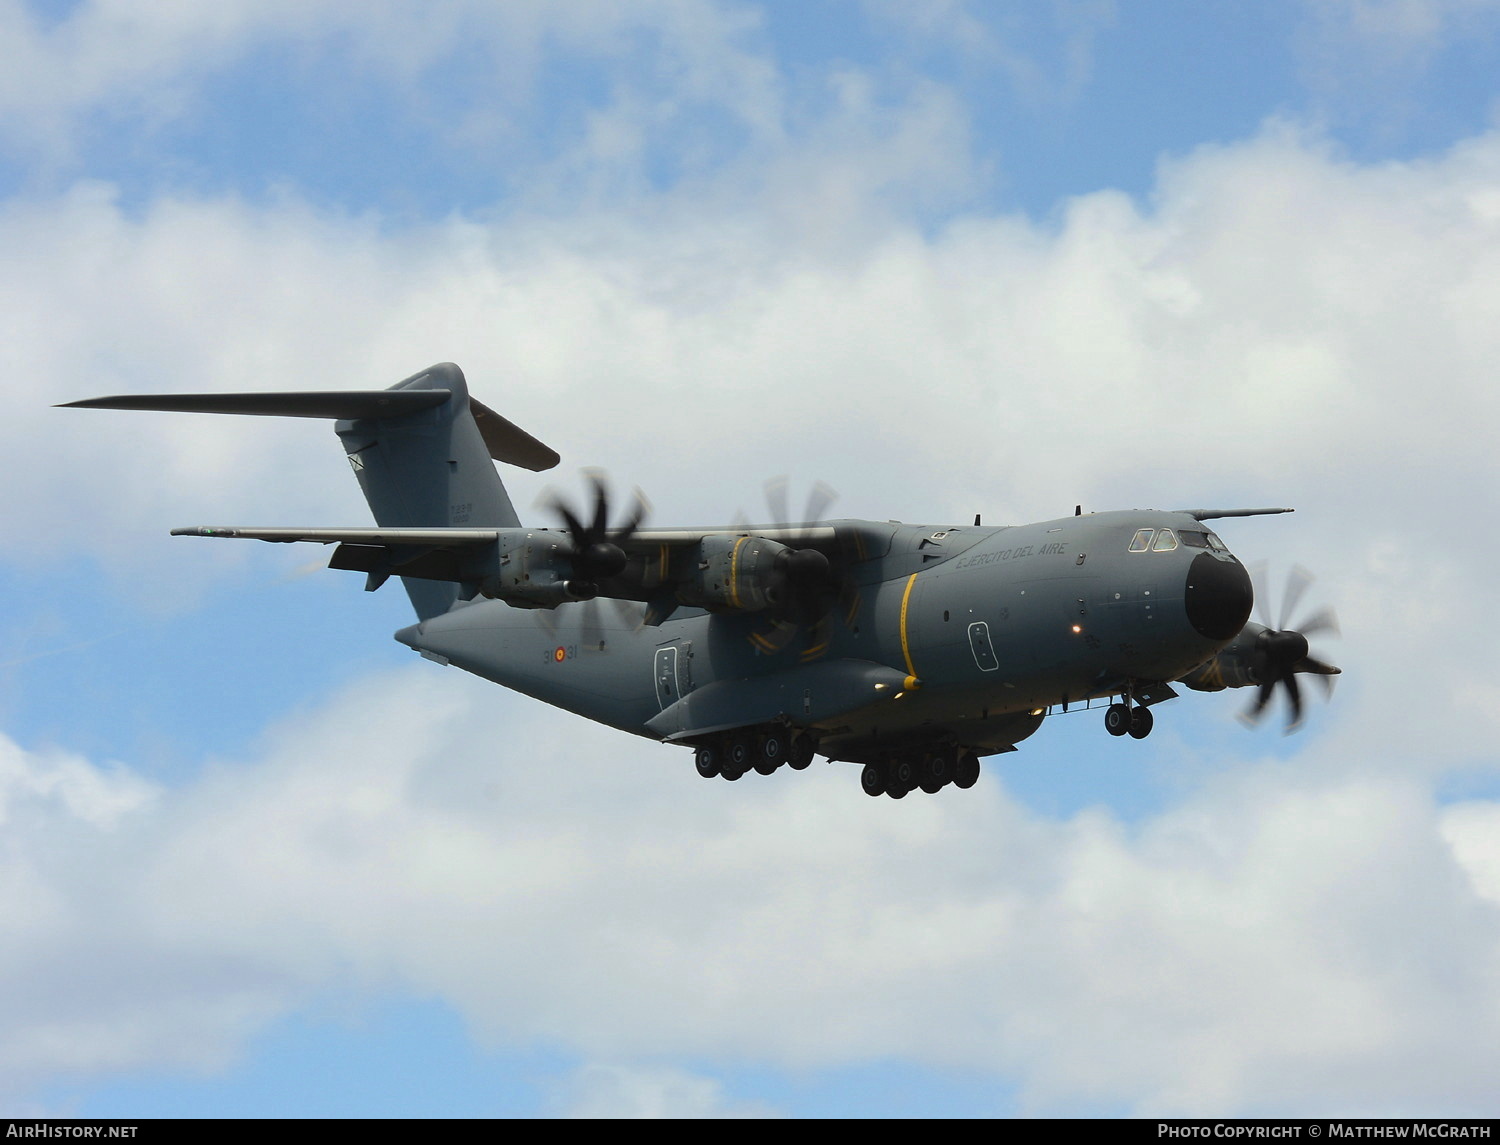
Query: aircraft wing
{"x": 659, "y": 563}
{"x": 433, "y": 538}
{"x": 430, "y": 554}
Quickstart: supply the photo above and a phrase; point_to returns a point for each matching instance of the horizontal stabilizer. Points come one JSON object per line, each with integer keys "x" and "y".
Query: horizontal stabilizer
{"x": 505, "y": 440}
{"x": 509, "y": 443}
{"x": 347, "y": 405}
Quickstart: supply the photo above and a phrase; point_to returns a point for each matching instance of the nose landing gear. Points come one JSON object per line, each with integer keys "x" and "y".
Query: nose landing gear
{"x": 1128, "y": 719}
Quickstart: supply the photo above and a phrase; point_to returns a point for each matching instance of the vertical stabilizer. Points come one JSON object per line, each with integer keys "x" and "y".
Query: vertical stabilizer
{"x": 428, "y": 468}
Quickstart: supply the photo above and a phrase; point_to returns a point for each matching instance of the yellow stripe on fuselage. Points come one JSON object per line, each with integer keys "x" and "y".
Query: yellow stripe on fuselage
{"x": 905, "y": 646}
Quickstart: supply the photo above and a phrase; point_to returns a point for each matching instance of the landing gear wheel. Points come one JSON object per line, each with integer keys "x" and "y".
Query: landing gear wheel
{"x": 966, "y": 771}
{"x": 936, "y": 770}
{"x": 706, "y": 759}
{"x": 899, "y": 776}
{"x": 1117, "y": 719}
{"x": 740, "y": 755}
{"x": 872, "y": 780}
{"x": 773, "y": 752}
{"x": 1140, "y": 722}
{"x": 802, "y": 751}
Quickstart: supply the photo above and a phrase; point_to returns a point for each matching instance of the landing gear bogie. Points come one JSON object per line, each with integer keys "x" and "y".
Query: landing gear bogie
{"x": 732, "y": 754}
{"x": 1133, "y": 720}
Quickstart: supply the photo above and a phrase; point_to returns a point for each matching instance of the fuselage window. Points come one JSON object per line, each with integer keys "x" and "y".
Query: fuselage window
{"x": 1141, "y": 541}
{"x": 1165, "y": 542}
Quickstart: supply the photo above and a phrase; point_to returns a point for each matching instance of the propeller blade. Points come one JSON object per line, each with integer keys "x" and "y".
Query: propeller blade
{"x": 600, "y": 525}
{"x": 775, "y": 490}
{"x": 1294, "y": 697}
{"x": 1327, "y": 682}
{"x": 1257, "y": 708}
{"x": 1297, "y": 582}
{"x": 819, "y": 499}
{"x": 1257, "y": 573}
{"x": 638, "y": 514}
{"x": 1324, "y": 620}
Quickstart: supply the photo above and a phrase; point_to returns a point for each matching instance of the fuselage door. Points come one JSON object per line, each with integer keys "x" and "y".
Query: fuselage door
{"x": 979, "y": 644}
{"x": 673, "y": 673}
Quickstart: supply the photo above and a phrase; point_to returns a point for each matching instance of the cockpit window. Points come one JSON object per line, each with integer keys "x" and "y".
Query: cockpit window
{"x": 1141, "y": 541}
{"x": 1192, "y": 539}
{"x": 1165, "y": 542}
{"x": 1217, "y": 545}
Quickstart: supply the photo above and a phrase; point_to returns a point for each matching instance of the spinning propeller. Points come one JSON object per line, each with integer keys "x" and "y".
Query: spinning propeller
{"x": 806, "y": 585}
{"x": 597, "y": 554}
{"x": 1280, "y": 653}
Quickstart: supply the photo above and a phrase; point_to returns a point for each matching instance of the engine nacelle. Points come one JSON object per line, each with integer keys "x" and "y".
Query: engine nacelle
{"x": 1233, "y": 667}
{"x": 532, "y": 569}
{"x": 743, "y": 573}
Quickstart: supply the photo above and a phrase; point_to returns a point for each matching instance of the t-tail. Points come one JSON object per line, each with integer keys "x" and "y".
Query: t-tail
{"x": 421, "y": 450}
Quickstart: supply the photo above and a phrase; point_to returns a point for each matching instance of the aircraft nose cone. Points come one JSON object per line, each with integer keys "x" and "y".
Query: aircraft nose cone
{"x": 1218, "y": 596}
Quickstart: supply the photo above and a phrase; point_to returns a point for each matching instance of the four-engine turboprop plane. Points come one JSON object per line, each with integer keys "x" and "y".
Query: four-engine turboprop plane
{"x": 911, "y": 649}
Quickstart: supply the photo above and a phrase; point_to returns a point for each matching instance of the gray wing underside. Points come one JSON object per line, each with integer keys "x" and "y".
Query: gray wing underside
{"x": 452, "y": 554}
{"x": 454, "y": 538}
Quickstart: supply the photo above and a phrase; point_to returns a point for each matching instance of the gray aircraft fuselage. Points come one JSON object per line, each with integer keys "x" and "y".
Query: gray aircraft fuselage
{"x": 979, "y": 630}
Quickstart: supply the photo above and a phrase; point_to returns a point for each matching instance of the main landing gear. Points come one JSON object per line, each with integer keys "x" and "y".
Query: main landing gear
{"x": 1127, "y": 719}
{"x": 931, "y": 772}
{"x": 731, "y": 755}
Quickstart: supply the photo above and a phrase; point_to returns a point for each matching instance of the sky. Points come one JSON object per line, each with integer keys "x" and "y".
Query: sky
{"x": 258, "y": 859}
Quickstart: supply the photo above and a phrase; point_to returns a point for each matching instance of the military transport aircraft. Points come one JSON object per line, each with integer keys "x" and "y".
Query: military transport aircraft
{"x": 911, "y": 649}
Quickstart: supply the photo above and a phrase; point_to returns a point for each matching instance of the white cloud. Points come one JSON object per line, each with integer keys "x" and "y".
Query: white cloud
{"x": 146, "y": 65}
{"x": 1390, "y": 33}
{"x": 615, "y": 1091}
{"x": 1281, "y": 941}
{"x": 1275, "y": 325}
